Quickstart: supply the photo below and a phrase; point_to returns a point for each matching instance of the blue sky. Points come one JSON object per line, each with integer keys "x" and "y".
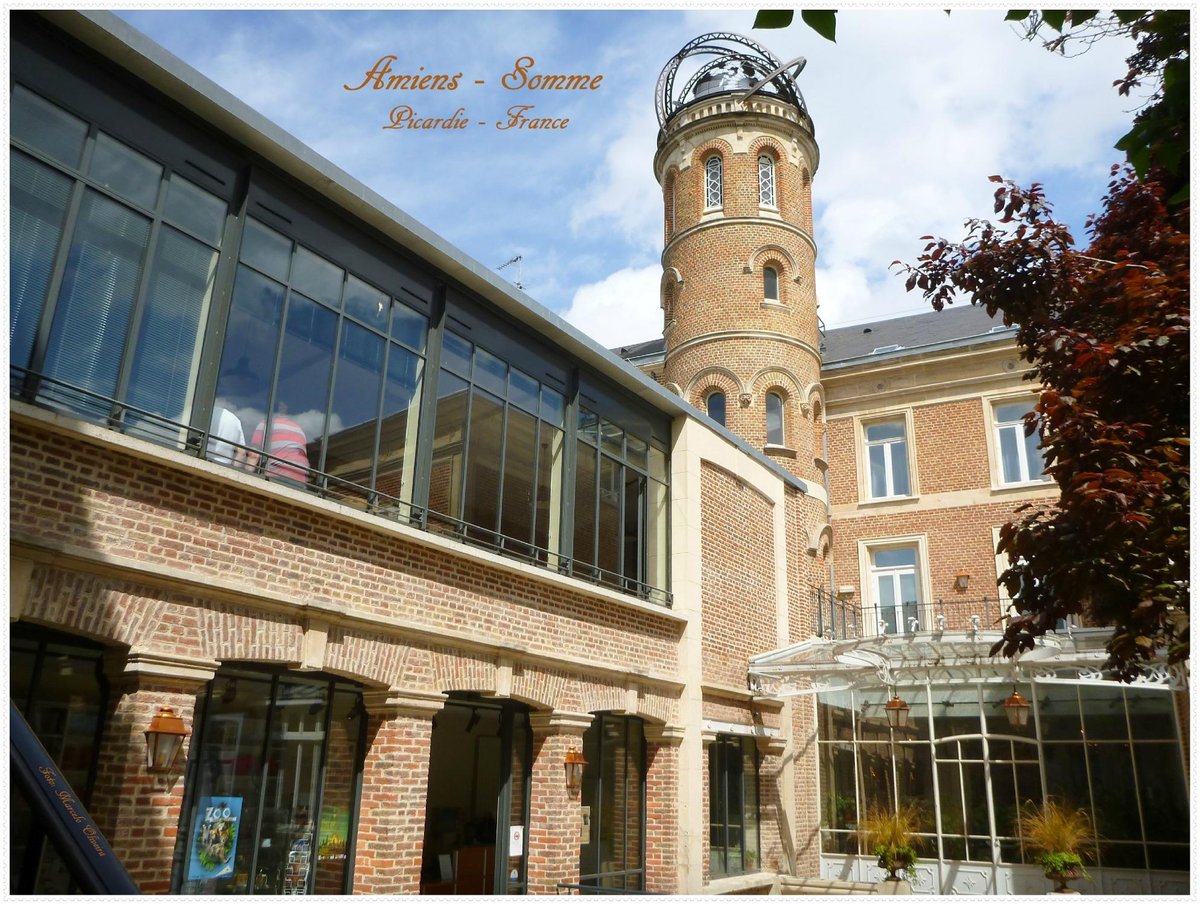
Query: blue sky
{"x": 913, "y": 111}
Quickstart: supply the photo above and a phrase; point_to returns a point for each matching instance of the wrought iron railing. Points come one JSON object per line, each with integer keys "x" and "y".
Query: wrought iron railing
{"x": 57, "y": 395}
{"x": 836, "y": 619}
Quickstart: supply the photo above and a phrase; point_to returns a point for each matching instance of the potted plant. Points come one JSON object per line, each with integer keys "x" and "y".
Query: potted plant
{"x": 891, "y": 836}
{"x": 1061, "y": 837}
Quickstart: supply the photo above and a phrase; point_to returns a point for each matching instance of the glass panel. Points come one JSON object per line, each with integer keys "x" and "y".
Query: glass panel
{"x": 337, "y": 799}
{"x": 1111, "y": 767}
{"x": 523, "y": 391}
{"x": 888, "y": 430}
{"x": 520, "y": 444}
{"x": 267, "y": 250}
{"x": 1010, "y": 462}
{"x": 101, "y": 281}
{"x": 1058, "y": 712}
{"x": 894, "y": 556}
{"x": 408, "y": 327}
{"x": 230, "y": 775}
{"x": 38, "y": 198}
{"x": 610, "y": 516}
{"x": 490, "y": 372}
{"x": 770, "y": 281}
{"x": 1033, "y": 456}
{"x": 366, "y": 303}
{"x": 956, "y": 712}
{"x": 317, "y": 278}
{"x": 1066, "y": 775}
{"x": 1130, "y": 857}
{"x": 950, "y": 793}
{"x": 1103, "y": 713}
{"x": 47, "y": 127}
{"x": 588, "y": 426}
{"x": 1151, "y": 714}
{"x": 190, "y": 207}
{"x": 353, "y": 416}
{"x": 875, "y": 777}
{"x": 398, "y": 432}
{"x": 914, "y": 777}
{"x": 1169, "y": 857}
{"x": 590, "y": 797}
{"x": 456, "y": 354}
{"x": 658, "y": 464}
{"x": 169, "y": 338}
{"x": 553, "y": 407}
{"x": 248, "y": 358}
{"x": 297, "y": 425}
{"x": 549, "y": 488}
{"x": 612, "y": 439}
{"x": 445, "y": 478}
{"x": 878, "y": 471}
{"x": 636, "y": 451}
{"x": 885, "y": 593}
{"x": 715, "y": 405}
{"x": 750, "y": 860}
{"x": 635, "y": 495}
{"x": 585, "y": 504}
{"x": 899, "y": 454}
{"x": 656, "y": 535}
{"x": 1012, "y": 411}
{"x": 126, "y": 172}
{"x": 774, "y": 419}
{"x": 838, "y": 810}
{"x": 485, "y": 442}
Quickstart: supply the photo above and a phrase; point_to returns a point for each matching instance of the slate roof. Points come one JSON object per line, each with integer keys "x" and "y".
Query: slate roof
{"x": 910, "y": 333}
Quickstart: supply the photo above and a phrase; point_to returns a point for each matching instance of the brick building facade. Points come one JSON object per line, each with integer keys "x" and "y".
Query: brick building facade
{"x": 498, "y": 546}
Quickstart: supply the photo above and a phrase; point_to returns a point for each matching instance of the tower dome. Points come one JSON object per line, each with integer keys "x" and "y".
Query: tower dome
{"x": 736, "y": 155}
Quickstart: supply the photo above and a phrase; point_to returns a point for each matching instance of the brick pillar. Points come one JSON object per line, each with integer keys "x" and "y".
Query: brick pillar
{"x": 138, "y": 811}
{"x": 391, "y": 814}
{"x": 662, "y": 808}
{"x": 554, "y": 816}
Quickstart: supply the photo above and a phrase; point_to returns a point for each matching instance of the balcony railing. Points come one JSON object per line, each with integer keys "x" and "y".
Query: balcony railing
{"x": 840, "y": 620}
{"x": 56, "y": 395}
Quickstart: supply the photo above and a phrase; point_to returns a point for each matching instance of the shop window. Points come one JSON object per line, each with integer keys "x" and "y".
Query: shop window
{"x": 1020, "y": 459}
{"x": 713, "y": 187}
{"x": 612, "y": 854}
{"x": 714, "y": 405}
{"x": 766, "y": 180}
{"x": 733, "y": 806}
{"x": 770, "y": 284}
{"x": 774, "y": 412}
{"x": 887, "y": 460}
{"x": 57, "y": 683}
{"x": 271, "y": 802}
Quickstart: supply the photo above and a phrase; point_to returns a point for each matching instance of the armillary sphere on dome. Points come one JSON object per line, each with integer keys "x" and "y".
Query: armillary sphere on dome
{"x": 734, "y": 64}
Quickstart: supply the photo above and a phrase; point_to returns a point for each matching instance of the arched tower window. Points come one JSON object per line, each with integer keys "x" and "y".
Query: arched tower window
{"x": 714, "y": 404}
{"x": 766, "y": 180}
{"x": 770, "y": 284}
{"x": 774, "y": 419}
{"x": 712, "y": 182}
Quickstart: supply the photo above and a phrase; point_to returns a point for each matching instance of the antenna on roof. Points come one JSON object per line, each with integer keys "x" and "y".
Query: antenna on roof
{"x": 519, "y": 282}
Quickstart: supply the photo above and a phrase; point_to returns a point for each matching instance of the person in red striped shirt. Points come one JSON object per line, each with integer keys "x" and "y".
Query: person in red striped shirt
{"x": 287, "y": 449}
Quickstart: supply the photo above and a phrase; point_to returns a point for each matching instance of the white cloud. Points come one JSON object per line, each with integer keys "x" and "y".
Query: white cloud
{"x": 621, "y": 309}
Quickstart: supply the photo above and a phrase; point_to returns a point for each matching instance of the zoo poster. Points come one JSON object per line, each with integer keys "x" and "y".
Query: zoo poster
{"x": 218, "y": 822}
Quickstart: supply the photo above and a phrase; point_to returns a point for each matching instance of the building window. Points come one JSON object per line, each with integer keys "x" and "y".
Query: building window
{"x": 271, "y": 798}
{"x": 770, "y": 284}
{"x": 612, "y": 855}
{"x": 620, "y": 506}
{"x": 1020, "y": 459}
{"x": 113, "y": 258}
{"x": 712, "y": 183}
{"x": 497, "y": 453}
{"x": 670, "y": 205}
{"x": 57, "y": 683}
{"x": 887, "y": 460}
{"x": 960, "y": 760}
{"x": 714, "y": 404}
{"x": 732, "y": 805}
{"x": 774, "y": 407}
{"x": 894, "y": 589}
{"x": 766, "y": 180}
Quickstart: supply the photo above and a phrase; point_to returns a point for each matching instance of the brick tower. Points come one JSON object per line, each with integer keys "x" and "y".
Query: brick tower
{"x": 735, "y": 160}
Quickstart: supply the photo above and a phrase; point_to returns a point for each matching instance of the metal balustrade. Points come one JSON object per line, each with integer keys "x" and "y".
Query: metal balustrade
{"x": 839, "y": 620}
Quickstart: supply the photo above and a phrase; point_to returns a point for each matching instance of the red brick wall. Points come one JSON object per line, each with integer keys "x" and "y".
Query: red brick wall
{"x": 553, "y": 817}
{"x": 662, "y": 817}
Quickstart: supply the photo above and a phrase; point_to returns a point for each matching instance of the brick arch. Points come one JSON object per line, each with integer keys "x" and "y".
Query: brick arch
{"x": 459, "y": 670}
{"x": 670, "y": 286}
{"x": 601, "y": 696}
{"x": 711, "y": 378}
{"x": 366, "y": 657}
{"x": 702, "y": 152}
{"x": 232, "y": 633}
{"x": 774, "y": 377}
{"x": 772, "y": 252}
{"x": 814, "y": 393}
{"x": 821, "y": 540}
{"x": 767, "y": 143}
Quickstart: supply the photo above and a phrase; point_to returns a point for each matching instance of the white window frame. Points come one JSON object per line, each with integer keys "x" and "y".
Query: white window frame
{"x": 766, "y": 182}
{"x": 868, "y": 573}
{"x": 714, "y": 183}
{"x": 905, "y": 418}
{"x": 995, "y": 449}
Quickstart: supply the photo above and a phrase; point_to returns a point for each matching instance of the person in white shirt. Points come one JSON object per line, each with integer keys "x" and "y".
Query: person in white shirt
{"x": 226, "y": 439}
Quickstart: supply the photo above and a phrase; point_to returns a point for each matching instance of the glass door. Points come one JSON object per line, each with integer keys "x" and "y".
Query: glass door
{"x": 894, "y": 574}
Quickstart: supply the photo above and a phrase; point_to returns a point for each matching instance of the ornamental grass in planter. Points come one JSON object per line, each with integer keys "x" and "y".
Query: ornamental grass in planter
{"x": 891, "y": 836}
{"x": 1061, "y": 838}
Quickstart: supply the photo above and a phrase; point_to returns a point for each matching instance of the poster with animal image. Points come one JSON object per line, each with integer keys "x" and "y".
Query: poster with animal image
{"x": 218, "y": 821}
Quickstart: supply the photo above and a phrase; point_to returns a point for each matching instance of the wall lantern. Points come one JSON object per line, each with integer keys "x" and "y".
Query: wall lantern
{"x": 897, "y": 712}
{"x": 1016, "y": 708}
{"x": 962, "y": 581}
{"x": 573, "y": 764}
{"x": 164, "y": 739}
